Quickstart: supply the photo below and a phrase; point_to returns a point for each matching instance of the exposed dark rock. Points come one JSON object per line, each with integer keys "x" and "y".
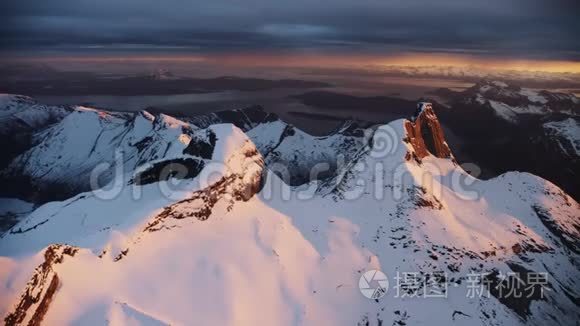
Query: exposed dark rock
{"x": 143, "y": 143}
{"x": 122, "y": 254}
{"x": 569, "y": 240}
{"x": 202, "y": 148}
{"x": 41, "y": 288}
{"x": 230, "y": 188}
{"x": 421, "y": 198}
{"x": 180, "y": 168}
{"x": 505, "y": 289}
{"x": 458, "y": 313}
{"x": 424, "y": 119}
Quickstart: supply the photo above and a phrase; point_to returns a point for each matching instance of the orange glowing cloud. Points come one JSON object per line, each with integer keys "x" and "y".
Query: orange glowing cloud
{"x": 319, "y": 60}
{"x": 411, "y": 59}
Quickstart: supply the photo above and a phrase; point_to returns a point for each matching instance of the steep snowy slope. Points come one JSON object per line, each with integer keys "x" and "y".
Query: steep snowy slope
{"x": 20, "y": 117}
{"x": 18, "y": 113}
{"x": 567, "y": 134}
{"x": 234, "y": 244}
{"x": 69, "y": 151}
{"x": 290, "y": 152}
{"x": 11, "y": 211}
{"x": 298, "y": 157}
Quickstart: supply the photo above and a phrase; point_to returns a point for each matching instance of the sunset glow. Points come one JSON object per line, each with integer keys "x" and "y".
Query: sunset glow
{"x": 297, "y": 60}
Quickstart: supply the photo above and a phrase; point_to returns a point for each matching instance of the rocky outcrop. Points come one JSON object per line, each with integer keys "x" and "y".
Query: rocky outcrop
{"x": 243, "y": 182}
{"x": 425, "y": 134}
{"x": 179, "y": 168}
{"x": 40, "y": 290}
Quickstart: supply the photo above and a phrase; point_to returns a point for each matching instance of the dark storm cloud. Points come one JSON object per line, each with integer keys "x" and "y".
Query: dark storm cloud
{"x": 522, "y": 28}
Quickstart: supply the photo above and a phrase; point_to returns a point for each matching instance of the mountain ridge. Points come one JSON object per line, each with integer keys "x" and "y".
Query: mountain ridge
{"x": 232, "y": 233}
{"x": 303, "y": 253}
{"x": 143, "y": 137}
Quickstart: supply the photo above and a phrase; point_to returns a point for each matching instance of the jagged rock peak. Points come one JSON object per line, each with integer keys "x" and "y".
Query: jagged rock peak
{"x": 41, "y": 288}
{"x": 424, "y": 128}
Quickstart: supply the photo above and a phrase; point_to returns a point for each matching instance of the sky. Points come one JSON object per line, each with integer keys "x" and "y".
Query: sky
{"x": 498, "y": 29}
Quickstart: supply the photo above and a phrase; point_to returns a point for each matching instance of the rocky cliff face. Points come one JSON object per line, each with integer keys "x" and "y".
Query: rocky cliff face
{"x": 424, "y": 128}
{"x": 240, "y": 183}
{"x": 41, "y": 289}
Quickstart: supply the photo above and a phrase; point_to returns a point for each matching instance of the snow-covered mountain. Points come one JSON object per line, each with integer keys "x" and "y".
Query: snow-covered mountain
{"x": 567, "y": 134}
{"x": 513, "y": 103}
{"x": 507, "y": 127}
{"x": 62, "y": 157}
{"x": 475, "y": 73}
{"x": 232, "y": 243}
{"x": 20, "y": 116}
{"x": 67, "y": 152}
{"x": 13, "y": 210}
{"x": 18, "y": 113}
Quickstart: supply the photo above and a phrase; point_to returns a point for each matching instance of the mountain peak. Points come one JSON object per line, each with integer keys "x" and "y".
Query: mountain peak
{"x": 231, "y": 234}
{"x": 425, "y": 133}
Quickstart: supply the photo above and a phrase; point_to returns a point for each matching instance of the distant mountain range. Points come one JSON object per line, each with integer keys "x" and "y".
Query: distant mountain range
{"x": 497, "y": 126}
{"x": 504, "y": 127}
{"x": 55, "y": 162}
{"x": 473, "y": 74}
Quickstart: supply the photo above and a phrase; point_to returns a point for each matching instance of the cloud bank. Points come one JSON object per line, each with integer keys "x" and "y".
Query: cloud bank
{"x": 518, "y": 28}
